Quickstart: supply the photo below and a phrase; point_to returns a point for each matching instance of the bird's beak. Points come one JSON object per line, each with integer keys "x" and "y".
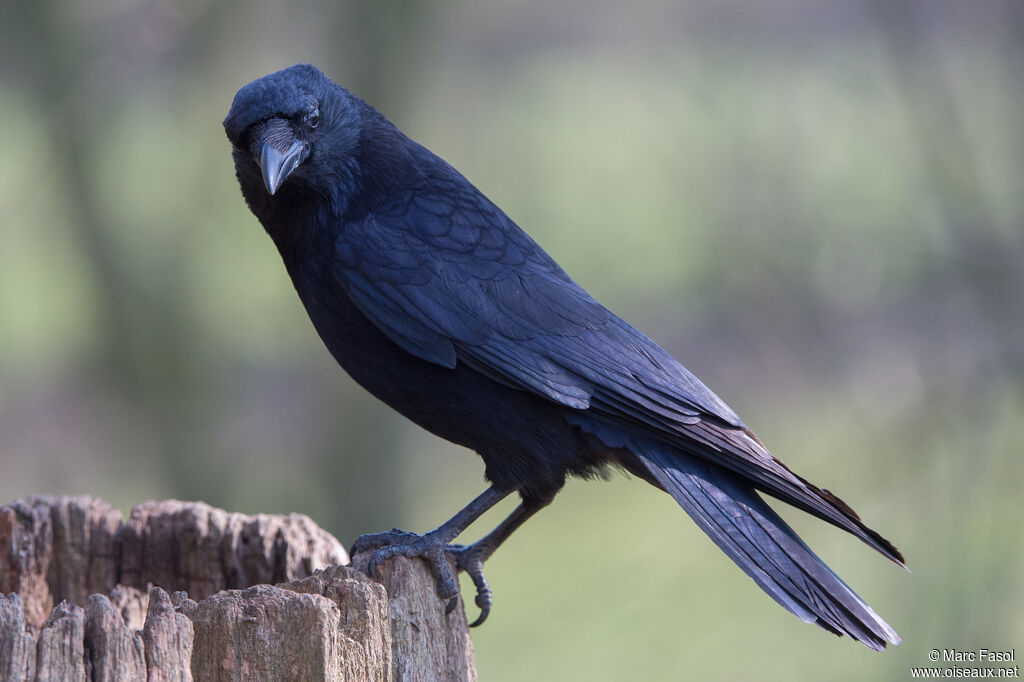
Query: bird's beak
{"x": 278, "y": 158}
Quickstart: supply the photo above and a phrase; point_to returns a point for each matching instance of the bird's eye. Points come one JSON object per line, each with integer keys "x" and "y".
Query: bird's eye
{"x": 313, "y": 118}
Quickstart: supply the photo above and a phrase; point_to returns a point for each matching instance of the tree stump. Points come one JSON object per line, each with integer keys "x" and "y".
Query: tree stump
{"x": 184, "y": 591}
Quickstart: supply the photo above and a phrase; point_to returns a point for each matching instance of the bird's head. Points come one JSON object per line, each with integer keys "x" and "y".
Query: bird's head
{"x": 290, "y": 127}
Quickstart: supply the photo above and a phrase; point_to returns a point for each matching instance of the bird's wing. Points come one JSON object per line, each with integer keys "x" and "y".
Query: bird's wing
{"x": 448, "y": 277}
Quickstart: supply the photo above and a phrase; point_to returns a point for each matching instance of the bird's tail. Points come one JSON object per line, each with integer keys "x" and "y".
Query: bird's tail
{"x": 731, "y": 512}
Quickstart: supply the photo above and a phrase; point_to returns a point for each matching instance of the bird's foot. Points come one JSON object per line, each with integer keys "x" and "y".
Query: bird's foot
{"x": 401, "y": 543}
{"x": 470, "y": 558}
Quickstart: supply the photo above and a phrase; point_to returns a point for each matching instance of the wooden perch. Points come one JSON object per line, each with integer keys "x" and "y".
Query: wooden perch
{"x": 184, "y": 591}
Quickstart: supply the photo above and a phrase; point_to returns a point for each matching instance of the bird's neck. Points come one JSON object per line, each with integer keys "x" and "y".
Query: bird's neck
{"x": 383, "y": 166}
{"x": 303, "y": 233}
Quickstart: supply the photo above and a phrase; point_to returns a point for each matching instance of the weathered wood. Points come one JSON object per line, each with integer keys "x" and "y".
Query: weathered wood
{"x": 17, "y": 646}
{"x": 200, "y": 549}
{"x": 60, "y": 653}
{"x": 363, "y": 623}
{"x": 330, "y": 623}
{"x": 57, "y": 548}
{"x": 167, "y": 637}
{"x": 71, "y": 547}
{"x": 277, "y": 633}
{"x": 112, "y": 651}
{"x": 428, "y": 645}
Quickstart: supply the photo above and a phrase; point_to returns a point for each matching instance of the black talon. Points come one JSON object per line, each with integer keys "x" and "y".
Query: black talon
{"x": 484, "y": 601}
{"x": 481, "y": 618}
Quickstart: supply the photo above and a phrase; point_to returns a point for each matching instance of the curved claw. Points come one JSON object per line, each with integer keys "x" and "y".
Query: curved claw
{"x": 483, "y": 600}
{"x": 470, "y": 562}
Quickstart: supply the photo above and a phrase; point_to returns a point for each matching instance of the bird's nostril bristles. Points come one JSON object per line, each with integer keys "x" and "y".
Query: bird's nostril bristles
{"x": 275, "y": 132}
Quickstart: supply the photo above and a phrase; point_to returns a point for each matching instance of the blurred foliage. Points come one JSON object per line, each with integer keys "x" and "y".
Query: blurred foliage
{"x": 818, "y": 209}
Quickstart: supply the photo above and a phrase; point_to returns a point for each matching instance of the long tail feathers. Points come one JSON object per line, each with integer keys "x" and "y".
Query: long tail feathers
{"x": 729, "y": 510}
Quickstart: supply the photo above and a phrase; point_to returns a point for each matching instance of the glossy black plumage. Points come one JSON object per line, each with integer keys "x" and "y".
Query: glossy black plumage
{"x": 438, "y": 304}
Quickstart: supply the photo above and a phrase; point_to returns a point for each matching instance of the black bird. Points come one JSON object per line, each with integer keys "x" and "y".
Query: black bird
{"x": 436, "y": 302}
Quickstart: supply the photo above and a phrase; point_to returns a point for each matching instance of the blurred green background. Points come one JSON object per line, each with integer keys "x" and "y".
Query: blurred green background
{"x": 819, "y": 208}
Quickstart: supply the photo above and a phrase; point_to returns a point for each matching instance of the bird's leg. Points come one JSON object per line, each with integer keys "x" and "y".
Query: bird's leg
{"x": 471, "y": 558}
{"x": 431, "y": 546}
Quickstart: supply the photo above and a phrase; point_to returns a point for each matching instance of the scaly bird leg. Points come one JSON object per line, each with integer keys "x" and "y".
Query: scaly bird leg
{"x": 431, "y": 546}
{"x": 471, "y": 558}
